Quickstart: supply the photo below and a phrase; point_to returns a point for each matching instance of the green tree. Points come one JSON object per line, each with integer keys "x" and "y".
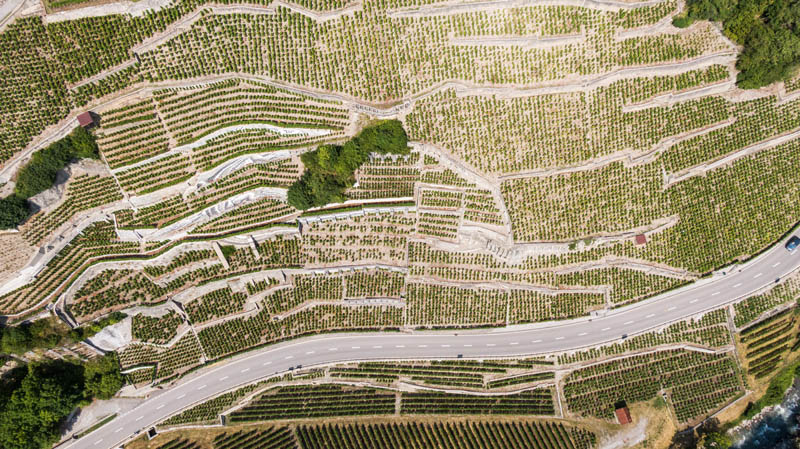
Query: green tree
{"x": 102, "y": 377}
{"x": 330, "y": 168}
{"x": 31, "y": 417}
{"x": 15, "y": 340}
{"x": 13, "y": 211}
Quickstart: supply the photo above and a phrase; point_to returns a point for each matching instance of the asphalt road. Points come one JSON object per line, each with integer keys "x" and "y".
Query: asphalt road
{"x": 703, "y": 295}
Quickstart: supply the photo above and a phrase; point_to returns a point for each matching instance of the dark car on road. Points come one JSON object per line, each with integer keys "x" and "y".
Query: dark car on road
{"x": 793, "y": 243}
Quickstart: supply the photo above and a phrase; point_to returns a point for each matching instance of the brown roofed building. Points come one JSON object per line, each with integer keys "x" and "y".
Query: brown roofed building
{"x": 623, "y": 415}
{"x": 86, "y": 120}
{"x": 641, "y": 239}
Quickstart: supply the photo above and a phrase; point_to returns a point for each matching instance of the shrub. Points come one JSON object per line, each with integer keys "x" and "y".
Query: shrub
{"x": 13, "y": 211}
{"x": 39, "y": 174}
{"x": 330, "y": 168}
{"x": 682, "y": 21}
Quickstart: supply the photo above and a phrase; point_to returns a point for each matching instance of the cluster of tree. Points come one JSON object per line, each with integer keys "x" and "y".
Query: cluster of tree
{"x": 768, "y": 30}
{"x": 48, "y": 333}
{"x": 36, "y": 399}
{"x": 39, "y": 173}
{"x": 330, "y": 168}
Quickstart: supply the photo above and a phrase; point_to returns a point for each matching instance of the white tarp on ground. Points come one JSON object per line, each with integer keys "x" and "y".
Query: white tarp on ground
{"x": 181, "y": 227}
{"x": 114, "y": 336}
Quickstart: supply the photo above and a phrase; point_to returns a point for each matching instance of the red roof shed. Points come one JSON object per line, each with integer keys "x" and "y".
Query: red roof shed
{"x": 641, "y": 239}
{"x": 85, "y": 119}
{"x": 623, "y": 415}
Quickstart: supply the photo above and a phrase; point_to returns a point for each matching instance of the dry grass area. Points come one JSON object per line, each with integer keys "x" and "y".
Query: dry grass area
{"x": 16, "y": 253}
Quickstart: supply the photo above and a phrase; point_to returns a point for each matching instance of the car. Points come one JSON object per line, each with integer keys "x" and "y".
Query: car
{"x": 624, "y": 336}
{"x": 793, "y": 243}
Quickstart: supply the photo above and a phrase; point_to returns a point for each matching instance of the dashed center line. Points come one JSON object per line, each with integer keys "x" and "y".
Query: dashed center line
{"x": 651, "y": 315}
{"x": 605, "y": 329}
{"x": 467, "y": 346}
{"x": 581, "y": 334}
{"x": 266, "y": 363}
{"x": 289, "y": 357}
{"x": 201, "y": 387}
{"x": 757, "y": 276}
{"x": 737, "y": 285}
{"x": 377, "y": 347}
{"x": 118, "y": 430}
{"x": 355, "y": 347}
{"x": 245, "y": 370}
{"x": 490, "y": 344}
{"x": 310, "y": 352}
{"x": 775, "y": 264}
{"x": 445, "y": 346}
{"x": 715, "y": 294}
{"x": 422, "y": 346}
{"x": 333, "y": 349}
{"x": 693, "y": 301}
{"x": 399, "y": 346}
{"x": 559, "y": 338}
{"x": 670, "y": 309}
{"x": 139, "y": 418}
{"x": 514, "y": 343}
{"x": 223, "y": 378}
{"x": 536, "y": 341}
{"x": 628, "y": 322}
{"x": 181, "y": 396}
{"x": 98, "y": 441}
{"x": 160, "y": 406}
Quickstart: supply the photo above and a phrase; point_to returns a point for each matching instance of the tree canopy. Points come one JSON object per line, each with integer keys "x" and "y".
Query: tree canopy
{"x": 39, "y": 173}
{"x": 31, "y": 417}
{"x": 769, "y": 31}
{"x": 34, "y": 402}
{"x": 330, "y": 168}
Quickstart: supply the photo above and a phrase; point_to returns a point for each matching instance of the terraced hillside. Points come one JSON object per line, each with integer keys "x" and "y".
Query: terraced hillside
{"x": 484, "y": 164}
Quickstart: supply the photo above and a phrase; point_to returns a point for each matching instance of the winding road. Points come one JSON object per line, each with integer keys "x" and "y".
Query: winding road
{"x": 736, "y": 283}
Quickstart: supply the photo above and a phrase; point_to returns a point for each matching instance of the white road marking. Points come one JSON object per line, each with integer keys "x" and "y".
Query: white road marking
{"x": 377, "y": 347}
{"x": 757, "y": 276}
{"x": 737, "y": 285}
{"x": 223, "y": 378}
{"x": 289, "y": 357}
{"x": 181, "y": 396}
{"x": 139, "y": 418}
{"x": 422, "y": 346}
{"x": 333, "y": 349}
{"x": 118, "y": 430}
{"x": 514, "y": 343}
{"x": 775, "y": 264}
{"x": 266, "y": 363}
{"x": 355, "y": 347}
{"x": 98, "y": 441}
{"x": 309, "y": 352}
{"x": 445, "y": 346}
{"x": 715, "y": 294}
{"x": 559, "y": 338}
{"x": 490, "y": 344}
{"x": 693, "y": 301}
{"x": 467, "y": 346}
{"x": 627, "y": 322}
{"x": 399, "y": 346}
{"x": 245, "y": 370}
{"x": 201, "y": 387}
{"x": 581, "y": 334}
{"x": 160, "y": 406}
{"x": 605, "y": 329}
{"x": 536, "y": 341}
{"x": 670, "y": 309}
{"x": 651, "y": 315}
